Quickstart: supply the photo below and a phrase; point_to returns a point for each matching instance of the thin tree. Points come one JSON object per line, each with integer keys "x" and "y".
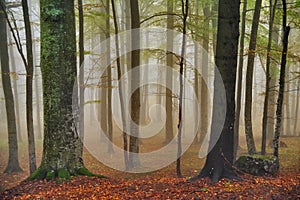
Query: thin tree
{"x": 297, "y": 107}
{"x": 109, "y": 80}
{"x": 120, "y": 86}
{"x": 249, "y": 79}
{"x": 13, "y": 157}
{"x": 185, "y": 10}
{"x": 81, "y": 70}
{"x": 29, "y": 65}
{"x": 285, "y": 42}
{"x": 268, "y": 78}
{"x": 239, "y": 82}
{"x": 169, "y": 78}
{"x": 219, "y": 160}
{"x": 135, "y": 79}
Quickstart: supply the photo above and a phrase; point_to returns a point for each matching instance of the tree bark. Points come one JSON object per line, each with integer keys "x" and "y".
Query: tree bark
{"x": 61, "y": 146}
{"x": 220, "y": 159}
{"x": 169, "y": 78}
{"x": 120, "y": 88}
{"x": 135, "y": 79}
{"x": 13, "y": 160}
{"x": 285, "y": 42}
{"x": 240, "y": 82}
{"x": 185, "y": 10}
{"x": 268, "y": 78}
{"x": 249, "y": 79}
{"x": 29, "y": 77}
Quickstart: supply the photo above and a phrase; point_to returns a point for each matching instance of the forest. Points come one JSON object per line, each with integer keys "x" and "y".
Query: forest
{"x": 150, "y": 99}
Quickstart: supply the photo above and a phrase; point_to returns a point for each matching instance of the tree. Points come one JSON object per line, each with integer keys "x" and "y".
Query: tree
{"x": 13, "y": 162}
{"x": 135, "y": 79}
{"x": 268, "y": 78}
{"x": 62, "y": 144}
{"x": 220, "y": 159}
{"x": 169, "y": 79}
{"x": 29, "y": 78}
{"x": 285, "y": 42}
{"x": 249, "y": 79}
{"x": 184, "y": 9}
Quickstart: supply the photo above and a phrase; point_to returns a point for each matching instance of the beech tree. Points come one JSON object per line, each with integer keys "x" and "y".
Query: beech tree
{"x": 219, "y": 160}
{"x": 62, "y": 145}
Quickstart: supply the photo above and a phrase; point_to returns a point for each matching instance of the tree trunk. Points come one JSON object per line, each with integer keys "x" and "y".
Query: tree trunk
{"x": 15, "y": 92}
{"x": 169, "y": 76}
{"x": 62, "y": 144}
{"x": 205, "y": 64}
{"x": 109, "y": 83}
{"x": 135, "y": 79}
{"x": 286, "y": 31}
{"x": 268, "y": 78}
{"x": 29, "y": 77}
{"x": 81, "y": 72}
{"x": 120, "y": 88}
{"x": 185, "y": 9}
{"x": 249, "y": 79}
{"x": 220, "y": 159}
{"x": 13, "y": 162}
{"x": 239, "y": 83}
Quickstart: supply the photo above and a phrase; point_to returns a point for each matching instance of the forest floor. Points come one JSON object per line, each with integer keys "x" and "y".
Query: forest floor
{"x": 162, "y": 184}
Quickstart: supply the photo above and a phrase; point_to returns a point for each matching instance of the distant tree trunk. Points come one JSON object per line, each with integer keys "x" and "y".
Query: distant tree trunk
{"x": 297, "y": 108}
{"x": 240, "y": 82}
{"x": 102, "y": 115}
{"x": 268, "y": 78}
{"x": 184, "y": 9}
{"x": 15, "y": 92}
{"x": 249, "y": 79}
{"x": 81, "y": 71}
{"x": 220, "y": 159}
{"x": 109, "y": 82}
{"x": 135, "y": 98}
{"x": 273, "y": 91}
{"x": 29, "y": 77}
{"x": 286, "y": 31}
{"x": 169, "y": 76}
{"x": 205, "y": 64}
{"x": 13, "y": 162}
{"x": 196, "y": 81}
{"x": 120, "y": 87}
{"x": 61, "y": 147}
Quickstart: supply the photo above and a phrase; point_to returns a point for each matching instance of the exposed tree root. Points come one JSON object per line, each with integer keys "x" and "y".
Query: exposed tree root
{"x": 60, "y": 174}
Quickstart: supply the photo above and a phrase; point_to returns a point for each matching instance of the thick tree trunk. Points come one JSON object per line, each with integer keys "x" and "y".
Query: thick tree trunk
{"x": 62, "y": 144}
{"x": 249, "y": 79}
{"x": 220, "y": 159}
{"x": 135, "y": 79}
{"x": 13, "y": 162}
{"x": 169, "y": 78}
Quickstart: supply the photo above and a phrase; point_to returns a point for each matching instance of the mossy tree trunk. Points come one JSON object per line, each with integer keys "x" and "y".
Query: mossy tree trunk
{"x": 61, "y": 147}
